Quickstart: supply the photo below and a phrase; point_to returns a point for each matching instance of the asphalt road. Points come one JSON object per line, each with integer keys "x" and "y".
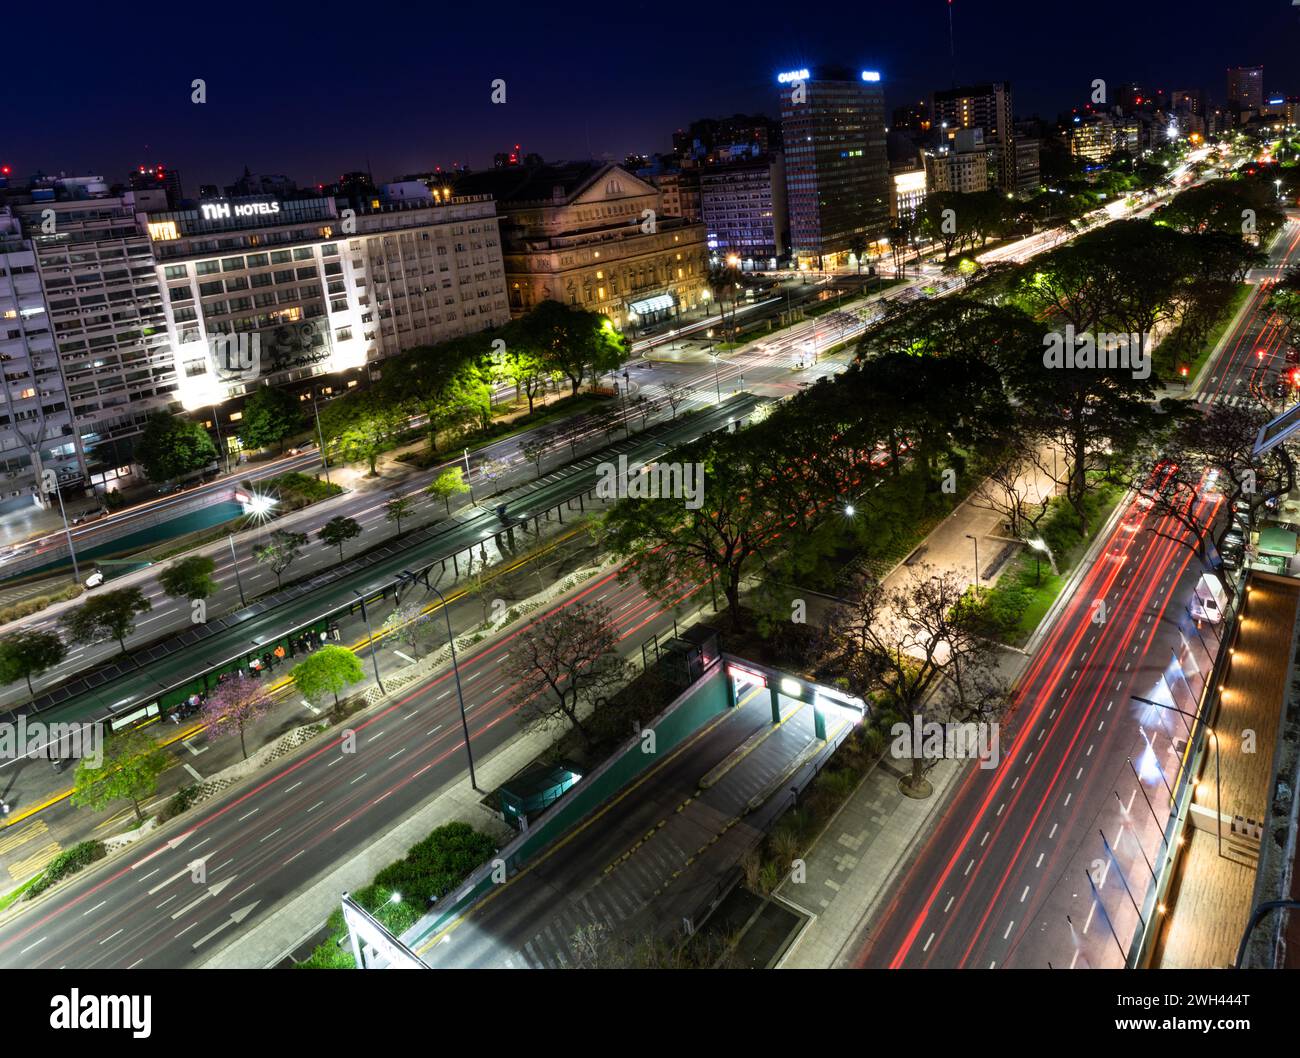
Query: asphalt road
{"x": 268, "y": 840}
{"x": 993, "y": 883}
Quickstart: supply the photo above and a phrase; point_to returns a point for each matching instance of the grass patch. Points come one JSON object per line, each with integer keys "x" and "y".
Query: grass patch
{"x": 1173, "y": 352}
{"x": 402, "y": 892}
{"x": 295, "y": 490}
{"x": 17, "y": 894}
{"x": 1019, "y": 601}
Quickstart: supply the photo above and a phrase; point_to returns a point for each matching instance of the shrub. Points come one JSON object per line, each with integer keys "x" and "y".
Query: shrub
{"x": 179, "y": 802}
{"x": 66, "y": 864}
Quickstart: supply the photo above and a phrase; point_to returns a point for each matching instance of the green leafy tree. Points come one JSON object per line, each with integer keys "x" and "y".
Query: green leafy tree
{"x": 171, "y": 447}
{"x": 108, "y": 616}
{"x": 189, "y": 578}
{"x": 573, "y": 342}
{"x": 280, "y": 551}
{"x": 328, "y": 670}
{"x": 27, "y": 653}
{"x": 397, "y": 508}
{"x": 128, "y": 771}
{"x": 408, "y": 625}
{"x": 338, "y": 531}
{"x": 361, "y": 426}
{"x": 451, "y": 482}
{"x": 271, "y": 416}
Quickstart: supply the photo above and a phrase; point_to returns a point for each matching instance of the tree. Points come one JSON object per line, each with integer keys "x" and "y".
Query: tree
{"x": 171, "y": 447}
{"x": 407, "y": 624}
{"x": 676, "y": 393}
{"x": 574, "y": 342}
{"x": 328, "y": 670}
{"x": 918, "y": 649}
{"x": 397, "y": 508}
{"x": 27, "y": 653}
{"x": 338, "y": 531}
{"x": 189, "y": 578}
{"x": 362, "y": 425}
{"x": 451, "y": 482}
{"x": 526, "y": 372}
{"x": 280, "y": 551}
{"x": 127, "y": 770}
{"x": 108, "y": 616}
{"x": 271, "y": 416}
{"x": 234, "y": 703}
{"x": 564, "y": 661}
{"x": 534, "y": 447}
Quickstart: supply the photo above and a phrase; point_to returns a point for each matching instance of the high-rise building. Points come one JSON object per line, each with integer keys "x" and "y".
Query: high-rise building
{"x": 36, "y": 431}
{"x": 592, "y": 235}
{"x": 106, "y": 313}
{"x": 679, "y": 191}
{"x": 837, "y": 167}
{"x": 745, "y": 212}
{"x": 986, "y": 107}
{"x": 1188, "y": 100}
{"x": 1245, "y": 87}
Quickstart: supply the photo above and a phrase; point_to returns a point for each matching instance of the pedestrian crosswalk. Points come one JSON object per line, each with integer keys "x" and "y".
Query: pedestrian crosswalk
{"x": 38, "y": 849}
{"x": 1233, "y": 400}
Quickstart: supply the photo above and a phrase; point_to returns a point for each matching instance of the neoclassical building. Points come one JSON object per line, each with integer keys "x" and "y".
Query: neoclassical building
{"x": 592, "y": 235}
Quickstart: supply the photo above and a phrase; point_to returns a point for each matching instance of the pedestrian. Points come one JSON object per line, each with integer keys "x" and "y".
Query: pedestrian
{"x": 334, "y": 631}
{"x": 324, "y": 637}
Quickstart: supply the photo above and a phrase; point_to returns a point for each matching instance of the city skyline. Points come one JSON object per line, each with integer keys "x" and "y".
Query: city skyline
{"x": 407, "y": 113}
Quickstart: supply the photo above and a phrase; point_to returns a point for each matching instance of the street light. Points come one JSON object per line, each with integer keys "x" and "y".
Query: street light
{"x": 455, "y": 671}
{"x": 320, "y": 437}
{"x": 370, "y": 637}
{"x": 230, "y": 537}
{"x": 974, "y": 540}
{"x": 72, "y": 551}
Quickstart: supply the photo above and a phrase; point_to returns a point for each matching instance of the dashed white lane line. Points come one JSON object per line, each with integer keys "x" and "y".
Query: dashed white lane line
{"x": 252, "y": 813}
{"x": 398, "y": 753}
{"x": 968, "y": 867}
{"x": 112, "y": 935}
{"x": 948, "y": 904}
{"x": 1052, "y": 833}
{"x": 270, "y": 835}
{"x": 984, "y": 838}
{"x": 94, "y": 909}
{"x": 294, "y": 786}
{"x": 1008, "y": 932}
{"x": 436, "y": 727}
{"x": 928, "y": 941}
{"x": 357, "y": 779}
{"x": 1024, "y": 894}
{"x": 1039, "y": 862}
{"x": 315, "y": 806}
{"x": 31, "y": 946}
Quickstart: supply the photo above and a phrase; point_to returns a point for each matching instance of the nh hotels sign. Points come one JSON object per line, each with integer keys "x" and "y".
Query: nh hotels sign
{"x": 224, "y": 210}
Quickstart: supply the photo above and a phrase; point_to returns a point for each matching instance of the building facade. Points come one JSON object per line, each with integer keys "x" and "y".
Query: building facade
{"x": 1245, "y": 88}
{"x": 593, "y": 236}
{"x": 837, "y": 166}
{"x": 302, "y": 288}
{"x": 106, "y": 313}
{"x": 745, "y": 212}
{"x": 986, "y": 107}
{"x": 36, "y": 431}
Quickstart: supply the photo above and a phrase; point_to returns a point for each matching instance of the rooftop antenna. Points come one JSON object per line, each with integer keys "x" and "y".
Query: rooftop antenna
{"x": 952, "y": 49}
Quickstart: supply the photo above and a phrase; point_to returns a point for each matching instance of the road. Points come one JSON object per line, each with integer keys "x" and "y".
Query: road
{"x": 268, "y": 840}
{"x": 1000, "y": 880}
{"x": 151, "y": 670}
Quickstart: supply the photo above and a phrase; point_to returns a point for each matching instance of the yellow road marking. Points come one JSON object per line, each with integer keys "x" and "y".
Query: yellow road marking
{"x": 37, "y": 861}
{"x": 21, "y": 837}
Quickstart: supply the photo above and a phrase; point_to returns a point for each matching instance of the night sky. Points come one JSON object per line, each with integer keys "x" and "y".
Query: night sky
{"x": 315, "y": 89}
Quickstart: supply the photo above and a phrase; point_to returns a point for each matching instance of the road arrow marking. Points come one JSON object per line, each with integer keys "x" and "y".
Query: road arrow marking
{"x": 235, "y": 919}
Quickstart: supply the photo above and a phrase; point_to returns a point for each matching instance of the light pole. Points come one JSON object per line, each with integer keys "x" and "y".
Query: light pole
{"x": 221, "y": 444}
{"x": 370, "y": 636}
{"x": 460, "y": 696}
{"x": 469, "y": 478}
{"x": 72, "y": 551}
{"x": 320, "y": 437}
{"x": 1218, "y": 787}
{"x": 234, "y": 559}
{"x": 976, "y": 542}
{"x": 717, "y": 382}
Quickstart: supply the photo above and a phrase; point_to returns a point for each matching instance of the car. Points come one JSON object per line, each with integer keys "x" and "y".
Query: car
{"x": 1293, "y": 355}
{"x": 95, "y": 579}
{"x": 169, "y": 488}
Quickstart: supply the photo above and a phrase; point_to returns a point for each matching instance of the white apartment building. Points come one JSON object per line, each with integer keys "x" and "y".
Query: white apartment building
{"x": 36, "y": 432}
{"x": 105, "y": 312}
{"x": 312, "y": 287}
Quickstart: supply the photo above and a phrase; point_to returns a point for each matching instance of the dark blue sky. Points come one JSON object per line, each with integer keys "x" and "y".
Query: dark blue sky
{"x": 318, "y": 88}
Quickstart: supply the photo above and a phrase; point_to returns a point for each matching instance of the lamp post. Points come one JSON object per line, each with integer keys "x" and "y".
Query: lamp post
{"x": 469, "y": 478}
{"x": 234, "y": 559}
{"x": 72, "y": 551}
{"x": 1218, "y": 786}
{"x": 320, "y": 437}
{"x": 717, "y": 382}
{"x": 460, "y": 696}
{"x": 221, "y": 444}
{"x": 974, "y": 540}
{"x": 370, "y": 637}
